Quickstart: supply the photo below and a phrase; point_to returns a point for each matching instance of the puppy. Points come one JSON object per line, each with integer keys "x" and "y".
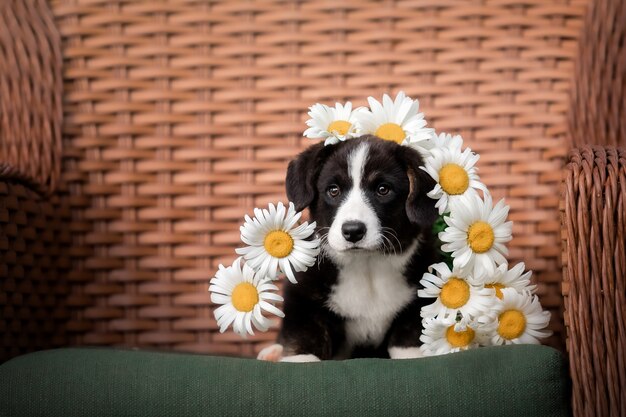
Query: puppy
{"x": 368, "y": 197}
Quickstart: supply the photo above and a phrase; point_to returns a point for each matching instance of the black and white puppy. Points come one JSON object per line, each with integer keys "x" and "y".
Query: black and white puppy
{"x": 368, "y": 197}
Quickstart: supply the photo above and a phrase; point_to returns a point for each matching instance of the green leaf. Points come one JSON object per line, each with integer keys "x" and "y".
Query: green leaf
{"x": 439, "y": 226}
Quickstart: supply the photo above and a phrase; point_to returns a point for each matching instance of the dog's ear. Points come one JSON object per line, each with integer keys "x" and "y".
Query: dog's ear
{"x": 420, "y": 208}
{"x": 302, "y": 174}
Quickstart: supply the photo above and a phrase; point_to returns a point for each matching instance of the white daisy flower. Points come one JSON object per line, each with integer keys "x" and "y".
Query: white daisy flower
{"x": 476, "y": 234}
{"x": 455, "y": 293}
{"x": 510, "y": 278}
{"x": 397, "y": 120}
{"x": 519, "y": 319}
{"x": 243, "y": 296}
{"x": 454, "y": 172}
{"x": 446, "y": 335}
{"x": 274, "y": 242}
{"x": 333, "y": 124}
{"x": 446, "y": 140}
{"x": 443, "y": 140}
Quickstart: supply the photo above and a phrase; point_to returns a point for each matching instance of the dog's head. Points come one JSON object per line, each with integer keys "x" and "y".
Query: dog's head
{"x": 367, "y": 194}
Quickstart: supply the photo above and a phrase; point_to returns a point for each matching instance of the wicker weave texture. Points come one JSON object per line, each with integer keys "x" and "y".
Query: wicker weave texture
{"x": 595, "y": 279}
{"x": 30, "y": 98}
{"x": 33, "y": 267}
{"x": 181, "y": 117}
{"x": 598, "y": 106}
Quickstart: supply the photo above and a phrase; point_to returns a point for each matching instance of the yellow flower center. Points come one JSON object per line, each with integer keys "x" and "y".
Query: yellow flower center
{"x": 480, "y": 237}
{"x": 391, "y": 131}
{"x": 496, "y": 286}
{"x": 453, "y": 179}
{"x": 460, "y": 339}
{"x": 278, "y": 243}
{"x": 512, "y": 324}
{"x": 339, "y": 127}
{"x": 454, "y": 293}
{"x": 245, "y": 297}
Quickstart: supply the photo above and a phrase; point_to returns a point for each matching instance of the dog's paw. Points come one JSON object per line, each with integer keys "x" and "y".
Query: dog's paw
{"x": 405, "y": 352}
{"x": 300, "y": 358}
{"x": 273, "y": 353}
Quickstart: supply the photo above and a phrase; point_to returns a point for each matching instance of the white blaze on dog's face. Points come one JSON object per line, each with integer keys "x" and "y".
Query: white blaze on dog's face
{"x": 365, "y": 194}
{"x": 356, "y": 225}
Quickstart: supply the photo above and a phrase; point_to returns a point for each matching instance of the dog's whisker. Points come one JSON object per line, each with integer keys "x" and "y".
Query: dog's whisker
{"x": 395, "y": 250}
{"x": 382, "y": 245}
{"x": 386, "y": 245}
{"x": 324, "y": 251}
{"x": 392, "y": 232}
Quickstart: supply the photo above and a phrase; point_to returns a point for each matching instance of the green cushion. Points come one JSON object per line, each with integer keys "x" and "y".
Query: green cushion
{"x": 500, "y": 381}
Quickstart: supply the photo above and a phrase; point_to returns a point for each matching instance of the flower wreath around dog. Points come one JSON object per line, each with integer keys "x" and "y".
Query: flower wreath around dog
{"x": 478, "y": 299}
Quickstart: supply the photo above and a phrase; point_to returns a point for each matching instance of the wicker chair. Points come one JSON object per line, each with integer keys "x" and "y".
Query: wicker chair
{"x": 180, "y": 117}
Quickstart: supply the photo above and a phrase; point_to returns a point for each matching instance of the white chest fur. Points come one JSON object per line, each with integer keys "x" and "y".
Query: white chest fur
{"x": 370, "y": 291}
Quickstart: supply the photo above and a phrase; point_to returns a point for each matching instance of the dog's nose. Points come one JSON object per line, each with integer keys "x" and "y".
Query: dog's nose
{"x": 353, "y": 231}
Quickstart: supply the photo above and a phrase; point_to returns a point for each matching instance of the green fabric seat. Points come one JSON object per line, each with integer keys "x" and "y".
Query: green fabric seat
{"x": 499, "y": 381}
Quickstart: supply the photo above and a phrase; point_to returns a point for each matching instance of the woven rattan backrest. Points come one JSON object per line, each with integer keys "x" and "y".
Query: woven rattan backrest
{"x": 31, "y": 88}
{"x": 181, "y": 117}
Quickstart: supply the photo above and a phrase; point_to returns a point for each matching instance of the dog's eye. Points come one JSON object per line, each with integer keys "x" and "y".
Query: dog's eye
{"x": 383, "y": 189}
{"x": 333, "y": 190}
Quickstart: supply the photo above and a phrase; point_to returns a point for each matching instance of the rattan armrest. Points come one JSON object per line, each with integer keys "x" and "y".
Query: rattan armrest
{"x": 34, "y": 261}
{"x": 31, "y": 87}
{"x": 594, "y": 278}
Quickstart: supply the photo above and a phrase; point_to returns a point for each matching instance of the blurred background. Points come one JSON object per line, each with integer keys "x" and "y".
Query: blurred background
{"x": 135, "y": 135}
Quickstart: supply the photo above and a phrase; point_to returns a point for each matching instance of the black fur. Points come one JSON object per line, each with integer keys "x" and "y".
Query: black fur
{"x": 309, "y": 326}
